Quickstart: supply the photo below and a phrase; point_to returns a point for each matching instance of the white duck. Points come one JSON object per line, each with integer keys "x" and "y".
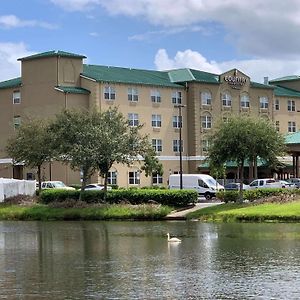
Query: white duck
{"x": 173, "y": 239}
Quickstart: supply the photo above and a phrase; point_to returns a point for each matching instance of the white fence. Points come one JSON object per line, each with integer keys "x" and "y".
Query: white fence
{"x": 13, "y": 187}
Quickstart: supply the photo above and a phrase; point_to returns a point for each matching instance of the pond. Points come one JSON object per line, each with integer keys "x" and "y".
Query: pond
{"x": 133, "y": 260}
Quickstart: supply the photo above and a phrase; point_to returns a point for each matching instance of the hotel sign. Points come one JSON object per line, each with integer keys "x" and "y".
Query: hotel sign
{"x": 235, "y": 81}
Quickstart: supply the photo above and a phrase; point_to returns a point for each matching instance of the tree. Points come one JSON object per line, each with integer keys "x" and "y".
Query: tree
{"x": 30, "y": 145}
{"x": 243, "y": 138}
{"x": 91, "y": 141}
{"x": 118, "y": 142}
{"x": 74, "y": 140}
{"x": 151, "y": 164}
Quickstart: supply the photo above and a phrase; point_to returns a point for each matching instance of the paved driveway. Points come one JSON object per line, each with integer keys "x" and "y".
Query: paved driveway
{"x": 180, "y": 215}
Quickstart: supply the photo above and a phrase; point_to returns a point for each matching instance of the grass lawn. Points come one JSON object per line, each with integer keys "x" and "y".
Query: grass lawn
{"x": 105, "y": 212}
{"x": 276, "y": 212}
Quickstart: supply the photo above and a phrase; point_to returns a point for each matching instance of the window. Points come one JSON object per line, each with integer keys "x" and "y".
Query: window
{"x": 155, "y": 96}
{"x": 157, "y": 179}
{"x": 134, "y": 177}
{"x": 176, "y": 122}
{"x": 176, "y": 97}
{"x": 109, "y": 93}
{"x": 157, "y": 145}
{"x": 206, "y": 98}
{"x": 112, "y": 177}
{"x": 133, "y": 119}
{"x": 277, "y": 106}
{"x": 291, "y": 105}
{"x": 206, "y": 121}
{"x": 16, "y": 97}
{"x": 245, "y": 102}
{"x": 226, "y": 99}
{"x": 133, "y": 94}
{"x": 277, "y": 126}
{"x": 176, "y": 145}
{"x": 17, "y": 122}
{"x": 291, "y": 126}
{"x": 205, "y": 145}
{"x": 263, "y": 102}
{"x": 156, "y": 121}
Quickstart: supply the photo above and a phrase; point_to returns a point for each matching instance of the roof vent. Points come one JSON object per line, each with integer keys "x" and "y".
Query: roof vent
{"x": 266, "y": 80}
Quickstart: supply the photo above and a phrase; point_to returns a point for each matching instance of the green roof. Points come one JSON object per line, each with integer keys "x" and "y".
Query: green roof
{"x": 15, "y": 82}
{"x": 281, "y": 91}
{"x": 73, "y": 90}
{"x": 292, "y": 138}
{"x": 286, "y": 78}
{"x": 52, "y": 53}
{"x": 261, "y": 85}
{"x": 232, "y": 164}
{"x": 185, "y": 75}
{"x": 127, "y": 75}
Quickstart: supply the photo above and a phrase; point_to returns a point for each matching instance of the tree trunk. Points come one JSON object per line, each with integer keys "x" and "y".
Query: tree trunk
{"x": 83, "y": 182}
{"x": 39, "y": 178}
{"x": 241, "y": 181}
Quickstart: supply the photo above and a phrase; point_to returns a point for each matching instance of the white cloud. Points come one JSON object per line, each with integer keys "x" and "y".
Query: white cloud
{"x": 12, "y": 21}
{"x": 184, "y": 59}
{"x": 167, "y": 32}
{"x": 257, "y": 69}
{"x": 259, "y": 27}
{"x": 9, "y": 53}
{"x": 76, "y": 5}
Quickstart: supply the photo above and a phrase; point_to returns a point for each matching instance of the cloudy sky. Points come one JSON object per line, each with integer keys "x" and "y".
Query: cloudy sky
{"x": 259, "y": 37}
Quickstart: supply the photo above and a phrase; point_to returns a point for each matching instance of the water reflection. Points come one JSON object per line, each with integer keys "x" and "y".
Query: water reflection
{"x": 133, "y": 260}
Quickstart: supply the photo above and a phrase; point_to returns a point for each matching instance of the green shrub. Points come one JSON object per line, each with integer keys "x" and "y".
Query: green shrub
{"x": 228, "y": 196}
{"x": 175, "y": 198}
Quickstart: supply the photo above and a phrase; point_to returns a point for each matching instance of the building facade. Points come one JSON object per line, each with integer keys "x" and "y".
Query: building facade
{"x": 55, "y": 80}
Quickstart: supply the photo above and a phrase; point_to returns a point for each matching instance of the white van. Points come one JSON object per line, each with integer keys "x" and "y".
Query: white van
{"x": 202, "y": 183}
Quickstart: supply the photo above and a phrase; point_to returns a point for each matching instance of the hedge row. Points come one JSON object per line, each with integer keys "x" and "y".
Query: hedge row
{"x": 179, "y": 198}
{"x": 251, "y": 195}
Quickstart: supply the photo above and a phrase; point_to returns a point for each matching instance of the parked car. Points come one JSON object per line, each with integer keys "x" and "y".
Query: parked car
{"x": 235, "y": 186}
{"x": 55, "y": 185}
{"x": 265, "y": 183}
{"x": 286, "y": 184}
{"x": 295, "y": 181}
{"x": 96, "y": 187}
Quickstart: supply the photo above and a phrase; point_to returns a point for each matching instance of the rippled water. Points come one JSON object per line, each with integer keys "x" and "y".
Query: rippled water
{"x": 133, "y": 260}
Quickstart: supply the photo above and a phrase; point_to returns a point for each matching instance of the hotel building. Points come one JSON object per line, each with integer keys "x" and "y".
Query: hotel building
{"x": 54, "y": 80}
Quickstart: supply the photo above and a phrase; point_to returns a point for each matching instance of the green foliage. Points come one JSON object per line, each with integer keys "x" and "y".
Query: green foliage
{"x": 103, "y": 212}
{"x": 30, "y": 145}
{"x": 251, "y": 195}
{"x": 244, "y": 138}
{"x": 133, "y": 196}
{"x": 152, "y": 164}
{"x": 228, "y": 196}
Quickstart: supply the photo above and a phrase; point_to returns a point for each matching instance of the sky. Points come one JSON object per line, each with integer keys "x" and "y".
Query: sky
{"x": 258, "y": 37}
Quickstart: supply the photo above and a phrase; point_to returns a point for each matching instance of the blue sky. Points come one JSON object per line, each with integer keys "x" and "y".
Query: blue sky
{"x": 259, "y": 37}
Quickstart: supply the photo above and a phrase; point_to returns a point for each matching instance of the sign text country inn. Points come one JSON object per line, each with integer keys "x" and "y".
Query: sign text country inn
{"x": 235, "y": 81}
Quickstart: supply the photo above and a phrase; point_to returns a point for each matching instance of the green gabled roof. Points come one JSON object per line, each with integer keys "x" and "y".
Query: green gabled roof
{"x": 285, "y": 92}
{"x": 52, "y": 53}
{"x": 126, "y": 75}
{"x": 186, "y": 75}
{"x": 205, "y": 76}
{"x": 292, "y": 138}
{"x": 261, "y": 85}
{"x": 72, "y": 90}
{"x": 15, "y": 82}
{"x": 286, "y": 78}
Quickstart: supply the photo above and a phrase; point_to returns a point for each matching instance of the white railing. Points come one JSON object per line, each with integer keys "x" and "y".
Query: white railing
{"x": 14, "y": 187}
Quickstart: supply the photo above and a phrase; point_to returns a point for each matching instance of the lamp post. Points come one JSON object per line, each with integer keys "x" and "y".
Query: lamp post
{"x": 179, "y": 106}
